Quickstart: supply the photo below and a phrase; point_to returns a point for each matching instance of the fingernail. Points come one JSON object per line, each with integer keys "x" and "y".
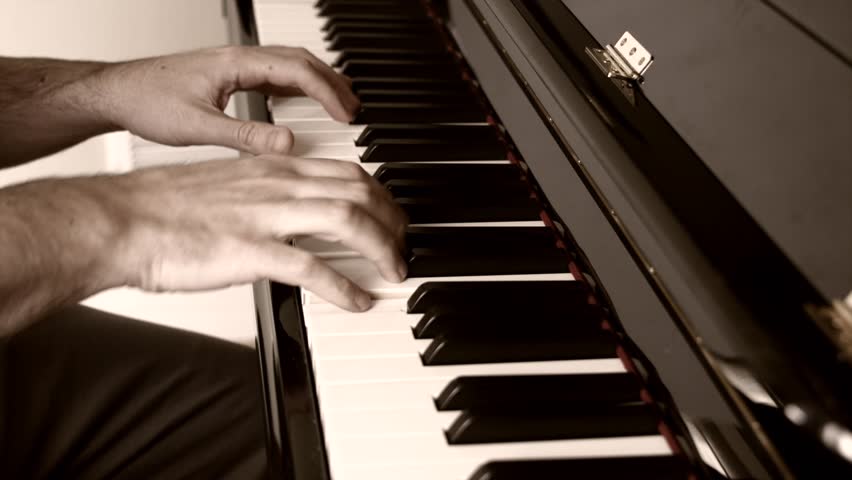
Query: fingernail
{"x": 354, "y": 108}
{"x": 363, "y": 301}
{"x": 402, "y": 271}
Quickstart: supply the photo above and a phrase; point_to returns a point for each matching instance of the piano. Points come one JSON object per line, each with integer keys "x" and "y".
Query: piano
{"x": 629, "y": 245}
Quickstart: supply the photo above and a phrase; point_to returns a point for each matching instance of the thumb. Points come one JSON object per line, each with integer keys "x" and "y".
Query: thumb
{"x": 247, "y": 136}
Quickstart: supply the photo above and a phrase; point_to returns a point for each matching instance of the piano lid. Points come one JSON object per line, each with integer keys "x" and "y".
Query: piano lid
{"x": 762, "y": 92}
{"x": 702, "y": 175}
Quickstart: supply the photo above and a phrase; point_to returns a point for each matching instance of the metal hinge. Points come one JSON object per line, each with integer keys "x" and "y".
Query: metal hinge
{"x": 625, "y": 63}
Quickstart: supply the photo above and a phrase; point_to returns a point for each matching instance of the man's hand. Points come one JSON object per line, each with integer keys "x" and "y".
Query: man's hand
{"x": 47, "y": 105}
{"x": 192, "y": 227}
{"x": 210, "y": 225}
{"x": 179, "y": 99}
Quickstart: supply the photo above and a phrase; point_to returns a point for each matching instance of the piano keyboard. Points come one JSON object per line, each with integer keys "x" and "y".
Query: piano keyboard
{"x": 488, "y": 362}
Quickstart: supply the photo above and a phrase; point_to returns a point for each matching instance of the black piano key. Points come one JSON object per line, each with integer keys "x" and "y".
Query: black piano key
{"x": 443, "y": 188}
{"x": 460, "y": 172}
{"x": 385, "y": 8}
{"x": 432, "y": 210}
{"x": 388, "y": 53}
{"x": 667, "y": 467}
{"x": 471, "y": 133}
{"x": 370, "y": 17}
{"x": 473, "y": 426}
{"x": 425, "y": 25}
{"x": 322, "y": 3}
{"x": 459, "y": 349}
{"x": 417, "y": 96}
{"x": 429, "y": 150}
{"x": 469, "y": 320}
{"x": 484, "y": 238}
{"x": 407, "y": 83}
{"x": 519, "y": 393}
{"x": 400, "y": 68}
{"x": 506, "y": 295}
{"x": 403, "y": 41}
{"x": 418, "y": 112}
{"x": 426, "y": 262}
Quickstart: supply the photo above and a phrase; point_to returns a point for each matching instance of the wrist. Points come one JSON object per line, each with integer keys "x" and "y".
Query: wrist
{"x": 93, "y": 94}
{"x": 59, "y": 241}
{"x": 84, "y": 221}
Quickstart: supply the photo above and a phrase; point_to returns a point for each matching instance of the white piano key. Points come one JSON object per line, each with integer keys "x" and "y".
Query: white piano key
{"x": 422, "y": 419}
{"x": 305, "y": 26}
{"x": 389, "y": 305}
{"x": 326, "y": 138}
{"x": 340, "y": 323}
{"x": 322, "y": 126}
{"x": 365, "y": 344}
{"x": 445, "y": 469}
{"x": 453, "y": 471}
{"x": 367, "y": 370}
{"x": 363, "y": 273}
{"x": 300, "y": 113}
{"x": 390, "y": 395}
{"x": 296, "y": 101}
{"x": 432, "y": 448}
{"x": 345, "y": 152}
{"x": 270, "y": 15}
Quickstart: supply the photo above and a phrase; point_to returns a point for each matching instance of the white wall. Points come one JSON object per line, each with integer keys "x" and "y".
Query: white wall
{"x": 113, "y": 30}
{"x": 106, "y": 30}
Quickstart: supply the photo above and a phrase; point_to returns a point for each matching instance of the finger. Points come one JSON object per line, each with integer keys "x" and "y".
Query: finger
{"x": 370, "y": 196}
{"x": 266, "y": 69}
{"x": 341, "y": 82}
{"x": 326, "y": 167}
{"x": 345, "y": 221}
{"x": 285, "y": 264}
{"x": 253, "y": 137}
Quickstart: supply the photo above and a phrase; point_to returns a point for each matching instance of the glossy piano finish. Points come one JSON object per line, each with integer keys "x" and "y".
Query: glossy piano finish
{"x": 742, "y": 303}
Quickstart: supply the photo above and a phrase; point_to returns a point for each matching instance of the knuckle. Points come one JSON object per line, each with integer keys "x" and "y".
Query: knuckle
{"x": 345, "y": 287}
{"x": 280, "y": 140}
{"x": 345, "y": 212}
{"x": 259, "y": 166}
{"x": 303, "y": 64}
{"x": 230, "y": 54}
{"x": 247, "y": 134}
{"x": 353, "y": 170}
{"x": 363, "y": 194}
{"x": 305, "y": 266}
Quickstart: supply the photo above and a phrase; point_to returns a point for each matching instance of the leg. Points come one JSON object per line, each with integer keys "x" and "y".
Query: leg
{"x": 87, "y": 394}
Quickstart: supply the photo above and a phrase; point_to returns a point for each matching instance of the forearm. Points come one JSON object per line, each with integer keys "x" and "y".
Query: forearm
{"x": 48, "y": 105}
{"x": 56, "y": 237}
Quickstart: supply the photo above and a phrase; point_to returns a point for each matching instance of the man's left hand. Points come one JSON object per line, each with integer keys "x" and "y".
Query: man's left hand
{"x": 180, "y": 99}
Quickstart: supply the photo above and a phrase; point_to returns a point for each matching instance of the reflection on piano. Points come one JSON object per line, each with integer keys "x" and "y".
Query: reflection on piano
{"x": 591, "y": 291}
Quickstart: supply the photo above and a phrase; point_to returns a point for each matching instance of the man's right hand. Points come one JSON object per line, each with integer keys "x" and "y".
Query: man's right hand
{"x": 215, "y": 224}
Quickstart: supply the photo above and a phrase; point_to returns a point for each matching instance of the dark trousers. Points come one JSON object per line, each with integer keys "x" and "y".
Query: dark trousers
{"x": 86, "y": 394}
